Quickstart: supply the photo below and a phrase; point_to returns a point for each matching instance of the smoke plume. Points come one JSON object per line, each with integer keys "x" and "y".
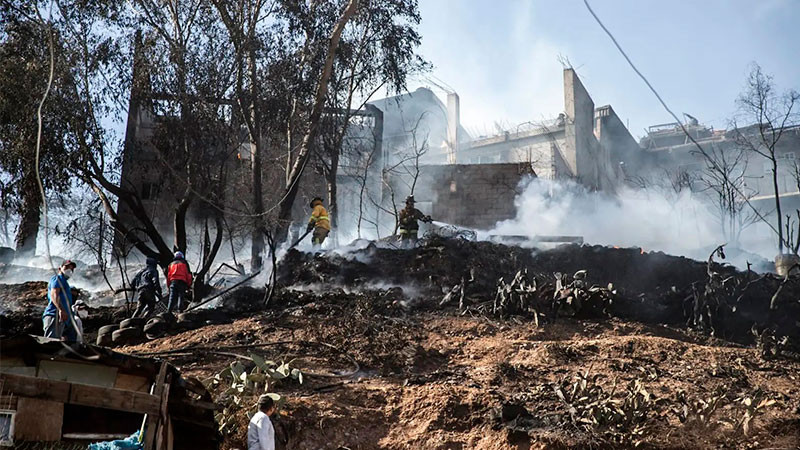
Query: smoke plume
{"x": 677, "y": 223}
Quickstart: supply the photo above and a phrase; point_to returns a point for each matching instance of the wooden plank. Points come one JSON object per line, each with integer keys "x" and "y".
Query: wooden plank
{"x": 132, "y": 382}
{"x": 78, "y": 372}
{"x": 192, "y": 403}
{"x": 194, "y": 421}
{"x": 38, "y": 420}
{"x": 94, "y": 436}
{"x": 151, "y": 424}
{"x": 162, "y": 437}
{"x": 100, "y": 397}
{"x": 32, "y": 387}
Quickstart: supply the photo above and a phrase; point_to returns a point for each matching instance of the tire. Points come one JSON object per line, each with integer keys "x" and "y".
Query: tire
{"x": 189, "y": 318}
{"x": 155, "y": 327}
{"x": 104, "y": 340}
{"x": 108, "y": 329}
{"x": 133, "y": 322}
{"x": 126, "y": 335}
{"x": 166, "y": 317}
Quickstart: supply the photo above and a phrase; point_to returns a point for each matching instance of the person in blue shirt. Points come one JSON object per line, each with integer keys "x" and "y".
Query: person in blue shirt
{"x": 59, "y": 305}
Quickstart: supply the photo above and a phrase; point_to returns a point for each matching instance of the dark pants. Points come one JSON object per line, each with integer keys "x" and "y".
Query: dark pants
{"x": 408, "y": 237}
{"x": 177, "y": 291}
{"x": 319, "y": 236}
{"x": 147, "y": 303}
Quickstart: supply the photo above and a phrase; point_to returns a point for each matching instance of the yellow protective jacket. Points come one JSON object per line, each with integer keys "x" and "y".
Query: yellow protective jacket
{"x": 319, "y": 217}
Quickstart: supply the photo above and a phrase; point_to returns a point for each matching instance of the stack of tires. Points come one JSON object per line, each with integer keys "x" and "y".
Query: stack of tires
{"x": 134, "y": 330}
{"x": 129, "y": 331}
{"x": 157, "y": 325}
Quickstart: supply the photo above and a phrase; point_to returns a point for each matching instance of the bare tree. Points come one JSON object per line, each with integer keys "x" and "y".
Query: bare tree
{"x": 405, "y": 171}
{"x": 293, "y": 180}
{"x": 725, "y": 183}
{"x": 770, "y": 113}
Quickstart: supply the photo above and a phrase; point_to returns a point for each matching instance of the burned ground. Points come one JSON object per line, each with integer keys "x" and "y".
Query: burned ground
{"x": 471, "y": 382}
{"x": 667, "y": 359}
{"x": 651, "y": 287}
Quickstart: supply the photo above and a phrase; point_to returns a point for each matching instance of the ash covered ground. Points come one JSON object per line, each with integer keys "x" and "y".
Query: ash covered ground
{"x": 459, "y": 344}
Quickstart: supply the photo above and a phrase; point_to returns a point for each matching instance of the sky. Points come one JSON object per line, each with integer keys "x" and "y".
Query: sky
{"x": 502, "y": 56}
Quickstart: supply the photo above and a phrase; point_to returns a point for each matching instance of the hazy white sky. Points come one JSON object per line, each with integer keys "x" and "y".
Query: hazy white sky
{"x": 501, "y": 56}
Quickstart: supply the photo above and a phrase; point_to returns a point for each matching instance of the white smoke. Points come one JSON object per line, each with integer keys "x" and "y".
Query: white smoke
{"x": 654, "y": 220}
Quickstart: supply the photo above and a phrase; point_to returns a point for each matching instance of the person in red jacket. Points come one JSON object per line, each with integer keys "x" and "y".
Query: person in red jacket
{"x": 179, "y": 278}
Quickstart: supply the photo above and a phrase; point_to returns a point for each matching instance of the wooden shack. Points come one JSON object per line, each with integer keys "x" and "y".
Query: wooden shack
{"x": 77, "y": 393}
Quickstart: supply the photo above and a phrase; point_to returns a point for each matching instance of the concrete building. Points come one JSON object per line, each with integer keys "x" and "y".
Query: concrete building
{"x": 473, "y": 182}
{"x": 415, "y": 143}
{"x": 667, "y": 151}
{"x": 582, "y": 143}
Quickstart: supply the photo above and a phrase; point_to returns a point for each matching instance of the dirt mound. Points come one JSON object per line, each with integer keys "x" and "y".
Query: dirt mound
{"x": 472, "y": 382}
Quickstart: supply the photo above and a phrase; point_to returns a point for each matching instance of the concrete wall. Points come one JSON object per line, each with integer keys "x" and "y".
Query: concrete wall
{"x": 624, "y": 152}
{"x": 582, "y": 152}
{"x": 470, "y": 195}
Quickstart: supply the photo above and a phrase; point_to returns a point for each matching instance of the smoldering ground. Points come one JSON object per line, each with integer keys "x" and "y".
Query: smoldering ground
{"x": 678, "y": 223}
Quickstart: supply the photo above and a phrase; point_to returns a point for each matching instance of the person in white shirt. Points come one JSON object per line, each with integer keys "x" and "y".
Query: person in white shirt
{"x": 260, "y": 433}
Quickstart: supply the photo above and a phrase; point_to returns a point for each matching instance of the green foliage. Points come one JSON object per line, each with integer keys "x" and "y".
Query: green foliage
{"x": 706, "y": 412}
{"x": 699, "y": 411}
{"x": 623, "y": 417}
{"x": 243, "y": 384}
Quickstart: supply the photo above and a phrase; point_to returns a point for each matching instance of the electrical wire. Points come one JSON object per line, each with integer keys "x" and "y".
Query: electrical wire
{"x": 708, "y": 158}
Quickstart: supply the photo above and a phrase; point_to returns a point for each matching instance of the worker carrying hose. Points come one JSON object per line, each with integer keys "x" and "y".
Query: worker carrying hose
{"x": 409, "y": 227}
{"x": 319, "y": 222}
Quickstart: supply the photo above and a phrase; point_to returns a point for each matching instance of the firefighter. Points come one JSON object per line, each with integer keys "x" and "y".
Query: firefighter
{"x": 409, "y": 228}
{"x": 319, "y": 222}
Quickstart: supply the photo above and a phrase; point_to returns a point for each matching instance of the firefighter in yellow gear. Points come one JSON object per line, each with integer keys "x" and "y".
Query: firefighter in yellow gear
{"x": 319, "y": 222}
{"x": 409, "y": 227}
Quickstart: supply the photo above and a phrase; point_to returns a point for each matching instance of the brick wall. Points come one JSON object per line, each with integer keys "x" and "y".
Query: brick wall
{"x": 470, "y": 195}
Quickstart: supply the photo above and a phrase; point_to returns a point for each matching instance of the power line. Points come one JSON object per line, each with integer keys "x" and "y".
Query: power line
{"x": 709, "y": 160}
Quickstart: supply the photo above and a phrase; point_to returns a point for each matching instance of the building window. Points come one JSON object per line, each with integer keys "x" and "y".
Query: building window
{"x": 7, "y": 427}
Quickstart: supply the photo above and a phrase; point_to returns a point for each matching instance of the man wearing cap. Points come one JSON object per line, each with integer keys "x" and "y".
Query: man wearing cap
{"x": 260, "y": 433}
{"x": 179, "y": 278}
{"x": 59, "y": 302}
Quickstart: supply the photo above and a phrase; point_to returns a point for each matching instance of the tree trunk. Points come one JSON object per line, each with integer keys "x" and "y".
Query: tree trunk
{"x": 29, "y": 222}
{"x": 199, "y": 287}
{"x": 333, "y": 199}
{"x": 257, "y": 245}
{"x": 287, "y": 201}
{"x": 180, "y": 221}
{"x": 777, "y": 204}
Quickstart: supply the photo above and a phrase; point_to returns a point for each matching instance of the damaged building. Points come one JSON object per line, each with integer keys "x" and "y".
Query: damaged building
{"x": 473, "y": 181}
{"x": 415, "y": 143}
{"x": 667, "y": 152}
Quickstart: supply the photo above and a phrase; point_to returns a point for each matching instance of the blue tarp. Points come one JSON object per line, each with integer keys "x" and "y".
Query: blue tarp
{"x": 129, "y": 443}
